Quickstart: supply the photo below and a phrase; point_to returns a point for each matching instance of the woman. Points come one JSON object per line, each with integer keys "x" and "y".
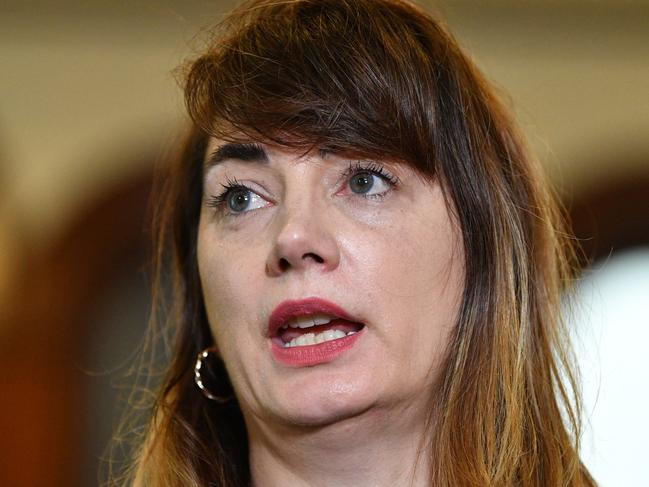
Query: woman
{"x": 367, "y": 266}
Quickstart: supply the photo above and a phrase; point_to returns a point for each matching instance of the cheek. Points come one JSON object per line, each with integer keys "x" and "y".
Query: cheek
{"x": 411, "y": 263}
{"x": 412, "y": 270}
{"x": 228, "y": 285}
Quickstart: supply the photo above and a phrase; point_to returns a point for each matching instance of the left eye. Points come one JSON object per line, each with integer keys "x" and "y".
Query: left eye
{"x": 368, "y": 183}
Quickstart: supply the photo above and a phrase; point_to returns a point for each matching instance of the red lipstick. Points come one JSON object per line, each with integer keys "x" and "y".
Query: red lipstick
{"x": 309, "y": 355}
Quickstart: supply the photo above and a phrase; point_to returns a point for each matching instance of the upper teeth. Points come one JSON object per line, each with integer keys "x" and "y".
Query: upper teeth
{"x": 308, "y": 321}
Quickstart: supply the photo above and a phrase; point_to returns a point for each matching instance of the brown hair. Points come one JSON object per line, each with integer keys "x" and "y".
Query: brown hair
{"x": 381, "y": 78}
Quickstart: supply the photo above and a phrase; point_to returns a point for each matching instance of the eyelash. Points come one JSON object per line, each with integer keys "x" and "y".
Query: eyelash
{"x": 219, "y": 201}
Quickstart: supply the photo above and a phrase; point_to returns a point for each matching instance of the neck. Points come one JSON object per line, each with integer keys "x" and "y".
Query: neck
{"x": 376, "y": 448}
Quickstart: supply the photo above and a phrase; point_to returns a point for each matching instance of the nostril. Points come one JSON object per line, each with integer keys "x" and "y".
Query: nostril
{"x": 283, "y": 264}
{"x": 315, "y": 257}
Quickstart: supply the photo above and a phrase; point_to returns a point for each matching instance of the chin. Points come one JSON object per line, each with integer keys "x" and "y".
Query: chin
{"x": 340, "y": 400}
{"x": 319, "y": 418}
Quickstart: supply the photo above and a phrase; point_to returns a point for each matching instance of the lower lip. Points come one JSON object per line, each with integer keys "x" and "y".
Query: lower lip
{"x": 310, "y": 355}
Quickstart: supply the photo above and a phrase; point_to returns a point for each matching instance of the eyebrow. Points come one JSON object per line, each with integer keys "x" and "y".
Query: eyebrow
{"x": 247, "y": 152}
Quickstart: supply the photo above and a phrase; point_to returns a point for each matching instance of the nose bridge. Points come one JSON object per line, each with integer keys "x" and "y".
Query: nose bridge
{"x": 303, "y": 235}
{"x": 301, "y": 207}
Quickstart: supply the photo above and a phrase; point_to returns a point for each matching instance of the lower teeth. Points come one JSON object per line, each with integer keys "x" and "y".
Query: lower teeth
{"x": 313, "y": 339}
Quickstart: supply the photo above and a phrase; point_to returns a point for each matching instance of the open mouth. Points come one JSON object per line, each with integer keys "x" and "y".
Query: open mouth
{"x": 314, "y": 329}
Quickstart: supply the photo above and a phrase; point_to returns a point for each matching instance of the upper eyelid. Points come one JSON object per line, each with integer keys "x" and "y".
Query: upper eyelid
{"x": 372, "y": 166}
{"x": 234, "y": 183}
{"x": 353, "y": 167}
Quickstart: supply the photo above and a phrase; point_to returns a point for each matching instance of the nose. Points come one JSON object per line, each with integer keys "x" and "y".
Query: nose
{"x": 303, "y": 240}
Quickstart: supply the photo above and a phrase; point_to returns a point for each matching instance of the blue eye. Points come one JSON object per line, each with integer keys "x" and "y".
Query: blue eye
{"x": 367, "y": 183}
{"x": 371, "y": 180}
{"x": 239, "y": 199}
{"x": 236, "y": 199}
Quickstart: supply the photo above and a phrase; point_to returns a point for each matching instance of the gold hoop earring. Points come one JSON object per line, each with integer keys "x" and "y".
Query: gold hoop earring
{"x": 200, "y": 382}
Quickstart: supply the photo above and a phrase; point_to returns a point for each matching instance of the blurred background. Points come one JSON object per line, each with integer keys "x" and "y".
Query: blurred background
{"x": 88, "y": 106}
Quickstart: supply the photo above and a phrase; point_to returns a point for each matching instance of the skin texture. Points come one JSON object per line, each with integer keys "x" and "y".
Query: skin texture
{"x": 393, "y": 262}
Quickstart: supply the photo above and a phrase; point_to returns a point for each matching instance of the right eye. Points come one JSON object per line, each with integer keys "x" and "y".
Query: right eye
{"x": 237, "y": 199}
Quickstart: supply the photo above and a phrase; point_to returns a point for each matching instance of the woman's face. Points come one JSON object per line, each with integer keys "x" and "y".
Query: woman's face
{"x": 368, "y": 245}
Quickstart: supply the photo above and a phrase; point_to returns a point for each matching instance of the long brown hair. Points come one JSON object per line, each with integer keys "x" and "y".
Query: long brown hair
{"x": 381, "y": 78}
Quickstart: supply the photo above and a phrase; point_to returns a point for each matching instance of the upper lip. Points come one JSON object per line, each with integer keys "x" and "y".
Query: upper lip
{"x": 302, "y": 307}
